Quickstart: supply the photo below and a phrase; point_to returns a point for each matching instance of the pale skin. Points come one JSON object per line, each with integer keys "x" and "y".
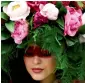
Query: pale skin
{"x": 41, "y": 68}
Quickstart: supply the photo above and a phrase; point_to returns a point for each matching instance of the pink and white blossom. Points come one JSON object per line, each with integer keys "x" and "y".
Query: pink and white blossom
{"x": 49, "y": 11}
{"x": 20, "y": 31}
{"x": 17, "y": 10}
{"x": 72, "y": 21}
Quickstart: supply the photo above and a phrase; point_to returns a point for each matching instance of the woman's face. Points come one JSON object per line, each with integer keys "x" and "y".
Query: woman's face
{"x": 39, "y": 63}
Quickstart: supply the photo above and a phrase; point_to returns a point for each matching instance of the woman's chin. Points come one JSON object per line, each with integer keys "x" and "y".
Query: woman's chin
{"x": 37, "y": 77}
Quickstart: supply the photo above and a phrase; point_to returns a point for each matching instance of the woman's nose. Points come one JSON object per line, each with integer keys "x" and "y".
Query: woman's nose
{"x": 36, "y": 59}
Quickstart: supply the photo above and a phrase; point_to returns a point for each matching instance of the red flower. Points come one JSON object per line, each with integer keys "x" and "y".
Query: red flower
{"x": 34, "y": 5}
{"x": 54, "y": 2}
{"x": 75, "y": 4}
{"x": 65, "y": 3}
{"x": 39, "y": 20}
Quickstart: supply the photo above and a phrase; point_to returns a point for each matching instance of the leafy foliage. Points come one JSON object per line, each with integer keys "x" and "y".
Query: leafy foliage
{"x": 4, "y": 3}
{"x": 4, "y": 36}
{"x": 10, "y": 26}
{"x": 4, "y": 16}
{"x": 7, "y": 51}
{"x": 46, "y": 37}
{"x": 74, "y": 71}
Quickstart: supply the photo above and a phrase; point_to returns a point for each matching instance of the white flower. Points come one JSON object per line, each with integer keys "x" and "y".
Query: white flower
{"x": 49, "y": 11}
{"x": 83, "y": 18}
{"x": 17, "y": 10}
{"x": 82, "y": 38}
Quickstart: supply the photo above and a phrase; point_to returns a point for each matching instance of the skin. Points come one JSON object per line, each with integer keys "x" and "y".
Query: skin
{"x": 48, "y": 64}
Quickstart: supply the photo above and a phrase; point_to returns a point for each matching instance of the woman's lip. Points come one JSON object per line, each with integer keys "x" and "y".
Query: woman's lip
{"x": 37, "y": 70}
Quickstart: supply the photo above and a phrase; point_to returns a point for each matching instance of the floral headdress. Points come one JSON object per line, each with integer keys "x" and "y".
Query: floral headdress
{"x": 58, "y": 27}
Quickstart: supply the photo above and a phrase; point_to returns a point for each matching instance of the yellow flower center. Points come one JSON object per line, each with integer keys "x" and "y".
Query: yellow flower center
{"x": 15, "y": 7}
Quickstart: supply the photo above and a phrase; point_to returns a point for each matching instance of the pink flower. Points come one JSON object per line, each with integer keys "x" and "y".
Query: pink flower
{"x": 72, "y": 21}
{"x": 34, "y": 5}
{"x": 39, "y": 20}
{"x": 20, "y": 31}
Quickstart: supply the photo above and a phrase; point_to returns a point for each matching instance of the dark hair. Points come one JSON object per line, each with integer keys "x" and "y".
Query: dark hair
{"x": 18, "y": 70}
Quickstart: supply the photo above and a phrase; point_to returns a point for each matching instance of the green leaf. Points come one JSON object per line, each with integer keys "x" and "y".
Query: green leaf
{"x": 6, "y": 48}
{"x": 59, "y": 37}
{"x": 64, "y": 63}
{"x": 82, "y": 29}
{"x": 22, "y": 45}
{"x": 5, "y": 3}
{"x": 3, "y": 28}
{"x": 67, "y": 77}
{"x": 57, "y": 41}
{"x": 31, "y": 22}
{"x": 63, "y": 10}
{"x": 4, "y": 16}
{"x": 60, "y": 21}
{"x": 71, "y": 41}
{"x": 80, "y": 3}
{"x": 10, "y": 26}
{"x": 4, "y": 35}
{"x": 59, "y": 4}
